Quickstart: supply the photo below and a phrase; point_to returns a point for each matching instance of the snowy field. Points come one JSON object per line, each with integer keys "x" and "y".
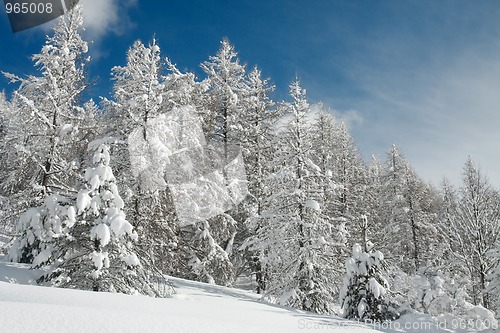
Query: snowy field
{"x": 196, "y": 307}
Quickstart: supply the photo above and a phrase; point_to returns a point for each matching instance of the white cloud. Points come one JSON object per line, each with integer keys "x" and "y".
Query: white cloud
{"x": 102, "y": 17}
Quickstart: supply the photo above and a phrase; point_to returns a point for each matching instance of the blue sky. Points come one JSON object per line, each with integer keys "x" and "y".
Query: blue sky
{"x": 424, "y": 75}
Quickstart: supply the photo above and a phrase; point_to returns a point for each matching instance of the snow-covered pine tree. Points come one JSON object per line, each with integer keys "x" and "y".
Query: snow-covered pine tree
{"x": 44, "y": 141}
{"x": 98, "y": 251}
{"x": 364, "y": 294}
{"x": 295, "y": 240}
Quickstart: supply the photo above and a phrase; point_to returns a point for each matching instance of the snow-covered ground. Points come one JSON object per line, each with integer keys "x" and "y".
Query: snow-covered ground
{"x": 196, "y": 307}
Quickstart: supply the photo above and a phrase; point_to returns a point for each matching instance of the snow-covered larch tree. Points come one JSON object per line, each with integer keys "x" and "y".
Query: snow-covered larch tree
{"x": 494, "y": 280}
{"x": 407, "y": 215}
{"x": 295, "y": 240}
{"x": 260, "y": 119}
{"x": 140, "y": 100}
{"x": 4, "y": 106}
{"x": 227, "y": 86}
{"x": 474, "y": 231}
{"x": 222, "y": 111}
{"x": 343, "y": 171}
{"x": 49, "y": 103}
{"x": 138, "y": 97}
{"x": 5, "y": 109}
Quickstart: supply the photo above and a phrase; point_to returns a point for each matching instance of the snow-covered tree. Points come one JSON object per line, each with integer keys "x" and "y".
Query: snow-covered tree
{"x": 142, "y": 95}
{"x": 227, "y": 88}
{"x": 182, "y": 89}
{"x": 98, "y": 251}
{"x": 49, "y": 104}
{"x": 138, "y": 98}
{"x": 4, "y": 162}
{"x": 295, "y": 239}
{"x": 440, "y": 294}
{"x": 222, "y": 111}
{"x": 44, "y": 138}
{"x": 407, "y": 215}
{"x": 364, "y": 295}
{"x": 344, "y": 184}
{"x": 494, "y": 280}
{"x": 473, "y": 230}
{"x": 257, "y": 146}
{"x": 39, "y": 228}
{"x": 208, "y": 261}
{"x": 4, "y": 105}
{"x": 138, "y": 88}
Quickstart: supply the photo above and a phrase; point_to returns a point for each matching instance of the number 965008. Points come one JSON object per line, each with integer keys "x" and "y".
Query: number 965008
{"x": 29, "y": 8}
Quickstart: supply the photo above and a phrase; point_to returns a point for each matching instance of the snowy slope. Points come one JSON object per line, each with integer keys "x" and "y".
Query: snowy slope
{"x": 196, "y": 307}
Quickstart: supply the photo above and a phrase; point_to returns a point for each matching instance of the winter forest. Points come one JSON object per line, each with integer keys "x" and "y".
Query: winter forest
{"x": 212, "y": 180}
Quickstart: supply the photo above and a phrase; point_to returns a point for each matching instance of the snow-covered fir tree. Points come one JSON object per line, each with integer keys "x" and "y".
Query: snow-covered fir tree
{"x": 97, "y": 253}
{"x": 364, "y": 294}
{"x": 39, "y": 229}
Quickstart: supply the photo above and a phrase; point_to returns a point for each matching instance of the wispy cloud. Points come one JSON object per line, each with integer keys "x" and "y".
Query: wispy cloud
{"x": 439, "y": 116}
{"x": 431, "y": 87}
{"x": 352, "y": 118}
